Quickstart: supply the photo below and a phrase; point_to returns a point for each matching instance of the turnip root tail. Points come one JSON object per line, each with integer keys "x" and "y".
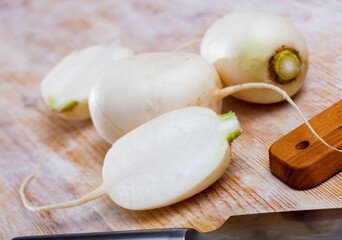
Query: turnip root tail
{"x": 86, "y": 198}
{"x": 221, "y": 93}
{"x": 188, "y": 44}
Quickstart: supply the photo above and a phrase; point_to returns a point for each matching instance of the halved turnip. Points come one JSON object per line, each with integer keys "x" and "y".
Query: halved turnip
{"x": 164, "y": 161}
{"x": 66, "y": 87}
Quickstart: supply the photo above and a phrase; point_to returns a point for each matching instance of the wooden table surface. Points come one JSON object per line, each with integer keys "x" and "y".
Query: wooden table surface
{"x": 35, "y": 35}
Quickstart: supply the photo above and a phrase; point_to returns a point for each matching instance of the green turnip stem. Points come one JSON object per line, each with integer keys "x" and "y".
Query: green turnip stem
{"x": 285, "y": 66}
{"x": 86, "y": 198}
{"x": 222, "y": 93}
{"x": 65, "y": 109}
{"x": 228, "y": 119}
{"x": 188, "y": 44}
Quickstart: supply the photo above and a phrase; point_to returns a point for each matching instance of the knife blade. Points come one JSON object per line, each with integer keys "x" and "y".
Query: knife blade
{"x": 323, "y": 224}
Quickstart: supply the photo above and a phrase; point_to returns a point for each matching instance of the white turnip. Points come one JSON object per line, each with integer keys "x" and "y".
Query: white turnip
{"x": 66, "y": 87}
{"x": 256, "y": 46}
{"x": 136, "y": 89}
{"x": 164, "y": 161}
{"x": 139, "y": 88}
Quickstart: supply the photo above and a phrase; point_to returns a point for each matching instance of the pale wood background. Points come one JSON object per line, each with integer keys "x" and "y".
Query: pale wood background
{"x": 35, "y": 35}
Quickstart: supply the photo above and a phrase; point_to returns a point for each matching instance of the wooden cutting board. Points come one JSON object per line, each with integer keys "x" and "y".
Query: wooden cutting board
{"x": 35, "y": 35}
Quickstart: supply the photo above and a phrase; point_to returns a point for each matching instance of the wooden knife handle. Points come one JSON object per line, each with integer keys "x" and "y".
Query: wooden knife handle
{"x": 155, "y": 234}
{"x": 300, "y": 160}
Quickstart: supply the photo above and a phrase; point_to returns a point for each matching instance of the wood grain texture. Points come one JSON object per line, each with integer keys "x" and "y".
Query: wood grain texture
{"x": 302, "y": 161}
{"x": 35, "y": 35}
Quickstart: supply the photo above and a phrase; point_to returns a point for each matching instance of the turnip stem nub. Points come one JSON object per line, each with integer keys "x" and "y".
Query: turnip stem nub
{"x": 221, "y": 93}
{"x": 285, "y": 66}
